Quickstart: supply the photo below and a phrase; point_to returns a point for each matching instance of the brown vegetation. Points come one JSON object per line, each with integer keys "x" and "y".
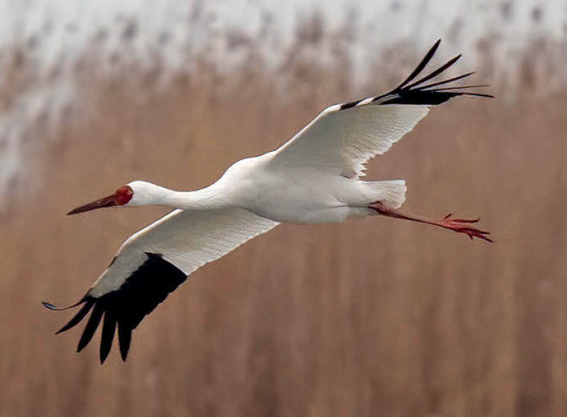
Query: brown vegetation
{"x": 370, "y": 318}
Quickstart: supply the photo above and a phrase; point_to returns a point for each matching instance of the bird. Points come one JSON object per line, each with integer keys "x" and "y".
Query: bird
{"x": 315, "y": 177}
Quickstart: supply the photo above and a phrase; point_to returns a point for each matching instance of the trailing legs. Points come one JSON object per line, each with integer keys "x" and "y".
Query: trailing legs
{"x": 448, "y": 222}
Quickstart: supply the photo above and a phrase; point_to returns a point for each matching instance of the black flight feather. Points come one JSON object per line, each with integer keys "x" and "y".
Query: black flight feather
{"x": 435, "y": 73}
{"x": 124, "y": 338}
{"x": 78, "y": 317}
{"x": 108, "y": 330}
{"x": 90, "y": 328}
{"x": 126, "y": 306}
{"x": 420, "y": 66}
{"x": 420, "y": 93}
{"x": 450, "y": 80}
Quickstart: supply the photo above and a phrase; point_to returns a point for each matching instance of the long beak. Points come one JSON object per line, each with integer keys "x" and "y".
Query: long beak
{"x": 107, "y": 201}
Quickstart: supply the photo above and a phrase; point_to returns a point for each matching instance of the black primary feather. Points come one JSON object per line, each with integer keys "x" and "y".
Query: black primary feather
{"x": 421, "y": 65}
{"x": 435, "y": 73}
{"x": 79, "y": 316}
{"x": 108, "y": 330}
{"x": 418, "y": 92}
{"x": 90, "y": 328}
{"x": 125, "y": 307}
{"x": 450, "y": 80}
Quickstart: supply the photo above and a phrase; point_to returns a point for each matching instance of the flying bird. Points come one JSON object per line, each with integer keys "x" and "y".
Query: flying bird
{"x": 316, "y": 177}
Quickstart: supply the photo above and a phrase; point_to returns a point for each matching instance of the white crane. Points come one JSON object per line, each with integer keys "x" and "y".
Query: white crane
{"x": 313, "y": 178}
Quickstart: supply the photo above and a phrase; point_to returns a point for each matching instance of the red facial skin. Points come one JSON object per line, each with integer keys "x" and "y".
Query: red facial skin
{"x": 122, "y": 196}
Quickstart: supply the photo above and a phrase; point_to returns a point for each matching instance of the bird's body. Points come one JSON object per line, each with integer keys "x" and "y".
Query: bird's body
{"x": 303, "y": 195}
{"x": 316, "y": 177}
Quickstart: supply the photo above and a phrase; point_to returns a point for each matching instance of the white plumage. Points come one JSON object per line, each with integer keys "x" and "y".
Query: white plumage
{"x": 313, "y": 178}
{"x": 186, "y": 239}
{"x": 341, "y": 141}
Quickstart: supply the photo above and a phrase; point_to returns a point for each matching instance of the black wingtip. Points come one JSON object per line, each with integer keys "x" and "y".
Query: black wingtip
{"x": 461, "y": 87}
{"x": 89, "y": 303}
{"x": 435, "y": 73}
{"x": 423, "y": 63}
{"x": 430, "y": 97}
{"x": 420, "y": 93}
{"x": 90, "y": 328}
{"x": 124, "y": 339}
{"x": 108, "y": 330}
{"x": 450, "y": 80}
{"x": 478, "y": 95}
{"x": 124, "y": 308}
{"x": 53, "y": 307}
{"x": 50, "y": 306}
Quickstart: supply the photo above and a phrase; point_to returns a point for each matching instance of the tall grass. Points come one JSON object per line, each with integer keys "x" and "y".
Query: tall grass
{"x": 372, "y": 317}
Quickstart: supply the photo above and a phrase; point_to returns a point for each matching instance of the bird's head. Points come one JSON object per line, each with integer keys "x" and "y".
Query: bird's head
{"x": 135, "y": 193}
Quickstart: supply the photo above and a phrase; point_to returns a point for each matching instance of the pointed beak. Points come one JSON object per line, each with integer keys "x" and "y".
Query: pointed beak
{"x": 109, "y": 201}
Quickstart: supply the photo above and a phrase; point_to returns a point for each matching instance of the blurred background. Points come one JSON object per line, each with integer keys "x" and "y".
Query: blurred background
{"x": 373, "y": 317}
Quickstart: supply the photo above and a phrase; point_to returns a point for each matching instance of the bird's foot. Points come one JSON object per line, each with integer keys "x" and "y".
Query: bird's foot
{"x": 448, "y": 222}
{"x": 464, "y": 226}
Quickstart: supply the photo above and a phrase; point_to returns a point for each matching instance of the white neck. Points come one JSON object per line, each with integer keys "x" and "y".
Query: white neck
{"x": 201, "y": 200}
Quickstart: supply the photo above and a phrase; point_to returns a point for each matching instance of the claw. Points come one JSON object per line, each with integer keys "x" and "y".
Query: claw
{"x": 462, "y": 226}
{"x": 483, "y": 237}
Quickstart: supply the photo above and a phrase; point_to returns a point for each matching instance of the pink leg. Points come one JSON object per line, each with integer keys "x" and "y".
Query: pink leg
{"x": 456, "y": 225}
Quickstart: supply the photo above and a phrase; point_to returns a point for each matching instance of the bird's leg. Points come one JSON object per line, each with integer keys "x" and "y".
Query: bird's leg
{"x": 448, "y": 222}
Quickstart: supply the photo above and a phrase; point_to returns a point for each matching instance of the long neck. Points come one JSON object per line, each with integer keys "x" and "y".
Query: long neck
{"x": 200, "y": 200}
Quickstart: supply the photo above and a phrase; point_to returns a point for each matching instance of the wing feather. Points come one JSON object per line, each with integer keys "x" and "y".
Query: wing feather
{"x": 341, "y": 141}
{"x": 343, "y": 137}
{"x": 153, "y": 263}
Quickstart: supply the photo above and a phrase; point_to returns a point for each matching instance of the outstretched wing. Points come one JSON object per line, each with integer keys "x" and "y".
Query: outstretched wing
{"x": 154, "y": 262}
{"x": 343, "y": 137}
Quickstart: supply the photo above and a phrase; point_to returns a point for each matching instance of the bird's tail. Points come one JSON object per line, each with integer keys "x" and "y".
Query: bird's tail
{"x": 391, "y": 193}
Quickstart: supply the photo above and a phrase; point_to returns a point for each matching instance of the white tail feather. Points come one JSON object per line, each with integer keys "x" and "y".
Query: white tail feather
{"x": 391, "y": 193}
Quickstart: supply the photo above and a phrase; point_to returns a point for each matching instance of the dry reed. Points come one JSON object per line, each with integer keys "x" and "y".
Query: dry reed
{"x": 373, "y": 317}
